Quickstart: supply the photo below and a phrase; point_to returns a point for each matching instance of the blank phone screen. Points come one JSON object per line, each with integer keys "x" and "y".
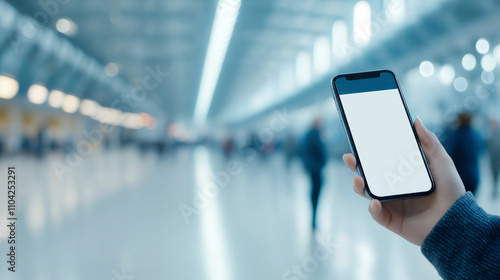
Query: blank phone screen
{"x": 386, "y": 146}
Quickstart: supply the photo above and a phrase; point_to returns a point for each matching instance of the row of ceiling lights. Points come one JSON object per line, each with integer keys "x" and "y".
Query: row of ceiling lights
{"x": 69, "y": 28}
{"x": 338, "y": 45}
{"x": 469, "y": 62}
{"x": 38, "y": 94}
{"x": 326, "y": 49}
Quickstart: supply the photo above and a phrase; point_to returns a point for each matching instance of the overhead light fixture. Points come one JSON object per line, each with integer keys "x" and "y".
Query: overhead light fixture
{"x": 56, "y": 98}
{"x": 286, "y": 79}
{"x": 362, "y": 23}
{"x": 109, "y": 116}
{"x": 8, "y": 87}
{"x": 487, "y": 77}
{"x": 482, "y": 46}
{"x": 222, "y": 31}
{"x": 447, "y": 75}
{"x": 303, "y": 68}
{"x": 426, "y": 68}
{"x": 488, "y": 63}
{"x": 339, "y": 39}
{"x": 395, "y": 10}
{"x": 132, "y": 121}
{"x": 89, "y": 107}
{"x": 66, "y": 27}
{"x": 461, "y": 84}
{"x": 322, "y": 55}
{"x": 70, "y": 103}
{"x": 37, "y": 94}
{"x": 111, "y": 69}
{"x": 496, "y": 53}
{"x": 469, "y": 62}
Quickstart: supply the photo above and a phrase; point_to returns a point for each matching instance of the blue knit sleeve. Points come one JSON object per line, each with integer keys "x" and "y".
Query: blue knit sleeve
{"x": 465, "y": 243}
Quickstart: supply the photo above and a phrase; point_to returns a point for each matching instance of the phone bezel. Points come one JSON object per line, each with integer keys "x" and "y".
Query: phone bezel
{"x": 347, "y": 130}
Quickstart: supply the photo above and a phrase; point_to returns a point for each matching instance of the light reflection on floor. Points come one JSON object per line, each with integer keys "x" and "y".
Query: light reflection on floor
{"x": 117, "y": 213}
{"x": 215, "y": 253}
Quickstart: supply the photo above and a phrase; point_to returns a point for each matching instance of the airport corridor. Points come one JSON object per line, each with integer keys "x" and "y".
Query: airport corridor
{"x": 189, "y": 139}
{"x": 125, "y": 221}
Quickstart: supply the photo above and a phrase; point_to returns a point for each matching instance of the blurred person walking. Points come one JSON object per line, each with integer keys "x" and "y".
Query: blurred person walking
{"x": 465, "y": 145}
{"x": 290, "y": 147}
{"x": 313, "y": 154}
{"x": 494, "y": 153}
{"x": 40, "y": 142}
{"x": 228, "y": 146}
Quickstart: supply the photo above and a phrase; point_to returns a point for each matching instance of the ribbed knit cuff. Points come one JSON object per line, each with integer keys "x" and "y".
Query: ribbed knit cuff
{"x": 462, "y": 244}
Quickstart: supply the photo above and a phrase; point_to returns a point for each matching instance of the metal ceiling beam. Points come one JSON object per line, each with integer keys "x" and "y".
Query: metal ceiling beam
{"x": 479, "y": 20}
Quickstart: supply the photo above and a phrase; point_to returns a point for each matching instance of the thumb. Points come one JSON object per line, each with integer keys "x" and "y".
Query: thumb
{"x": 430, "y": 143}
{"x": 380, "y": 214}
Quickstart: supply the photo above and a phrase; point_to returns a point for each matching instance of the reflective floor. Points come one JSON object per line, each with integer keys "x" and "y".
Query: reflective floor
{"x": 123, "y": 215}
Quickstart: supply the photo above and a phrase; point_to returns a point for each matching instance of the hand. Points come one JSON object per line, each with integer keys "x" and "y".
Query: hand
{"x": 413, "y": 219}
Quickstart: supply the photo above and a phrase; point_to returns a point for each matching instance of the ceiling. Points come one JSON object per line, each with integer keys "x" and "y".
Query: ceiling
{"x": 442, "y": 32}
{"x": 173, "y": 35}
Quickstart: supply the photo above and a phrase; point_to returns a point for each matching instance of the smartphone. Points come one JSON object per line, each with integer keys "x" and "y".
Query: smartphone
{"x": 380, "y": 131}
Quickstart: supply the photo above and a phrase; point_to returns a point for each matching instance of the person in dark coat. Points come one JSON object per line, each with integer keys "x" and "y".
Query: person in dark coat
{"x": 465, "y": 145}
{"x": 290, "y": 147}
{"x": 494, "y": 153}
{"x": 313, "y": 154}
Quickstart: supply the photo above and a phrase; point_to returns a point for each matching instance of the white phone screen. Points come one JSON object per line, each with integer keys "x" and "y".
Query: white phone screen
{"x": 385, "y": 143}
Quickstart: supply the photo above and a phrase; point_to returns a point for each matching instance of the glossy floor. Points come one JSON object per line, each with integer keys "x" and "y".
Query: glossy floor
{"x": 123, "y": 215}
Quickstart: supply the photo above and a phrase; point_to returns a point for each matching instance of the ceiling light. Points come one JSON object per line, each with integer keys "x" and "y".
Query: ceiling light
{"x": 56, "y": 98}
{"x": 362, "y": 22}
{"x": 132, "y": 121}
{"x": 303, "y": 68}
{"x": 110, "y": 116}
{"x": 66, "y": 26}
{"x": 482, "y": 46}
{"x": 8, "y": 87}
{"x": 460, "y": 84}
{"x": 447, "y": 75}
{"x": 222, "y": 31}
{"x": 321, "y": 55}
{"x": 37, "y": 94}
{"x": 111, "y": 69}
{"x": 469, "y": 62}
{"x": 70, "y": 103}
{"x": 426, "y": 68}
{"x": 487, "y": 77}
{"x": 339, "y": 39}
{"x": 496, "y": 53}
{"x": 395, "y": 10}
{"x": 488, "y": 63}
{"x": 89, "y": 107}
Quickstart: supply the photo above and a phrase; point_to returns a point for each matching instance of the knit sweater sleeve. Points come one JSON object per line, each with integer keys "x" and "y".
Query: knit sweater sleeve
{"x": 465, "y": 243}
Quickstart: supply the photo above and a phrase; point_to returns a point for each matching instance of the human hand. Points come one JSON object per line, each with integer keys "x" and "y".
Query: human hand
{"x": 413, "y": 219}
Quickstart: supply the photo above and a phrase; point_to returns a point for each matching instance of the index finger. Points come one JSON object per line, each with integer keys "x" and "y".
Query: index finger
{"x": 350, "y": 161}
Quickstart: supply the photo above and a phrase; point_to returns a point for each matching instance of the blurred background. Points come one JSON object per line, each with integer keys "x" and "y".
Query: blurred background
{"x": 162, "y": 139}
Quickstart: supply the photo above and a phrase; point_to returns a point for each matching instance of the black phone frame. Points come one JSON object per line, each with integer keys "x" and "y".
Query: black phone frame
{"x": 347, "y": 130}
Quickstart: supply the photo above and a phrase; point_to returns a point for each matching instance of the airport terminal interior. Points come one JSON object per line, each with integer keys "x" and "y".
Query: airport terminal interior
{"x": 161, "y": 139}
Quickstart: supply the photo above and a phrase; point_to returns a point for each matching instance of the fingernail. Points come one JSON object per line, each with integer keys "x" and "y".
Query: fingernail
{"x": 421, "y": 122}
{"x": 371, "y": 204}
